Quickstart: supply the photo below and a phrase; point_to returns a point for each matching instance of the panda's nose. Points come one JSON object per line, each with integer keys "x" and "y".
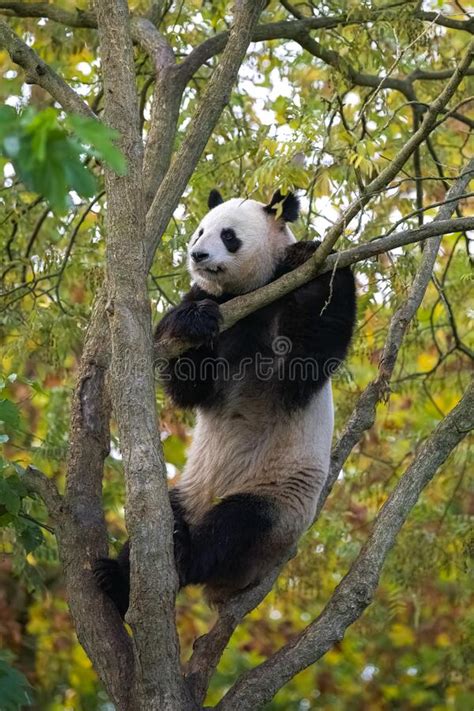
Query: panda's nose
{"x": 199, "y": 256}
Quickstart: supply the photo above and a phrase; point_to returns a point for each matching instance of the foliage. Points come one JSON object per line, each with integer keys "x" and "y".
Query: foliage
{"x": 292, "y": 122}
{"x": 48, "y": 160}
{"x": 14, "y": 688}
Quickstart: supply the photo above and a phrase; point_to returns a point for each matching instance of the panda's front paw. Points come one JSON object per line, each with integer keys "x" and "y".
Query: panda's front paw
{"x": 197, "y": 322}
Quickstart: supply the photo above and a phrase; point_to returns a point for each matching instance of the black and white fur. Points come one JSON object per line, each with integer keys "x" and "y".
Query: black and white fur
{"x": 261, "y": 444}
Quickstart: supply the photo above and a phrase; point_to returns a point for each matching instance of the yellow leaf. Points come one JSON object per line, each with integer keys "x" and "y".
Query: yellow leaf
{"x": 401, "y": 635}
{"x": 426, "y": 361}
{"x": 390, "y": 692}
{"x": 442, "y": 640}
{"x": 333, "y": 657}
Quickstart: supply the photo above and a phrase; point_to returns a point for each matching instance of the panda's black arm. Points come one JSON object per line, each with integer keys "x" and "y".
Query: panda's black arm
{"x": 317, "y": 319}
{"x": 189, "y": 379}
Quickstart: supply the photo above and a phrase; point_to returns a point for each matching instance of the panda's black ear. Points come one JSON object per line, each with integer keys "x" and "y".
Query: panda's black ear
{"x": 214, "y": 199}
{"x": 290, "y": 206}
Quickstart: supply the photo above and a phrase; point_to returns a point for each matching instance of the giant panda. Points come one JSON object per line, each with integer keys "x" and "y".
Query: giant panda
{"x": 262, "y": 394}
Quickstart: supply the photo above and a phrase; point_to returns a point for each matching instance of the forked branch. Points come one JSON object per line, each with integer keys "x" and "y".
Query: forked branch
{"x": 357, "y": 588}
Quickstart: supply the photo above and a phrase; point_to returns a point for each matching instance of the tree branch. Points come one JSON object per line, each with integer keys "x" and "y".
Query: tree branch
{"x": 363, "y": 416}
{"x": 81, "y": 534}
{"x": 158, "y": 683}
{"x": 38, "y": 483}
{"x": 143, "y": 30}
{"x": 285, "y": 29}
{"x": 357, "y": 588}
{"x": 386, "y": 175}
{"x": 438, "y": 19}
{"x": 298, "y": 29}
{"x": 79, "y": 18}
{"x": 166, "y": 101}
{"x": 208, "y": 649}
{"x": 86, "y": 18}
{"x": 205, "y": 118}
{"x": 241, "y": 306}
{"x": 168, "y": 87}
{"x": 38, "y": 72}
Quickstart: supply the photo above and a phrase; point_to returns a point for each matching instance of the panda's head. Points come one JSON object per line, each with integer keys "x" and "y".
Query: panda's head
{"x": 239, "y": 242}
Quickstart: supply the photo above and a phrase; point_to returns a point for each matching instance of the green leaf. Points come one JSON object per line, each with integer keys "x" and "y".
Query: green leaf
{"x": 48, "y": 160}
{"x": 15, "y": 691}
{"x": 9, "y": 413}
{"x": 9, "y": 497}
{"x": 101, "y": 138}
{"x": 30, "y": 535}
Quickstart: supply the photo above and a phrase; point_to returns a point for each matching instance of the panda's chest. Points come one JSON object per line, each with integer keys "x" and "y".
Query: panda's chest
{"x": 252, "y": 338}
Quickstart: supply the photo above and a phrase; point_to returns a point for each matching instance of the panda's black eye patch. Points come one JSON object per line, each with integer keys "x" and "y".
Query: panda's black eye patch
{"x": 230, "y": 239}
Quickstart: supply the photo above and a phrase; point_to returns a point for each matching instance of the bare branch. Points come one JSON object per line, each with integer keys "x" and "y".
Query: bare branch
{"x": 363, "y": 416}
{"x": 38, "y": 483}
{"x": 166, "y": 101}
{"x": 167, "y": 94}
{"x": 208, "y": 649}
{"x": 144, "y": 32}
{"x": 357, "y": 588}
{"x": 38, "y": 72}
{"x": 207, "y": 114}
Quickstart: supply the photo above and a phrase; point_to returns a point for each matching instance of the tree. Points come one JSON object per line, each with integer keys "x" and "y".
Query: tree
{"x": 362, "y": 116}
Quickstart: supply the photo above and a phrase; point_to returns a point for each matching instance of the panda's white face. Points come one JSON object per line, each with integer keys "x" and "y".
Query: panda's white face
{"x": 236, "y": 247}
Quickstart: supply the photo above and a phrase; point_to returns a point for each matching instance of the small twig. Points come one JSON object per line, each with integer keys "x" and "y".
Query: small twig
{"x": 26, "y": 516}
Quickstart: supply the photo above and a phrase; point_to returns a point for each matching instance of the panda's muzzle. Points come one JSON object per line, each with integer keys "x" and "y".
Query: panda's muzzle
{"x": 199, "y": 256}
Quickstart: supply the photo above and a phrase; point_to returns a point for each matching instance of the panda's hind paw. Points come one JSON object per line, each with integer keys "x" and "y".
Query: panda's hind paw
{"x": 106, "y": 571}
{"x": 111, "y": 580}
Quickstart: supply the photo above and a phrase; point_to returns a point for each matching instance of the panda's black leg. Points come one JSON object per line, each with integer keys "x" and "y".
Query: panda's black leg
{"x": 222, "y": 544}
{"x": 113, "y": 575}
